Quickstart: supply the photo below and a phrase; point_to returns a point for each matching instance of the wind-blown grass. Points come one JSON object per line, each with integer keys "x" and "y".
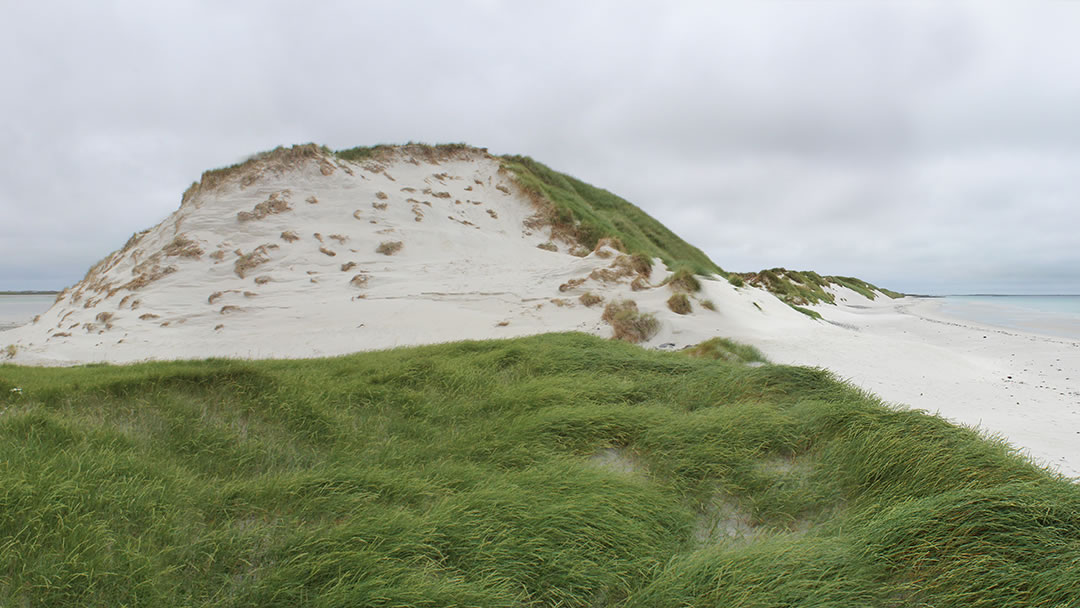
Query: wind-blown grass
{"x": 465, "y": 474}
{"x": 592, "y": 213}
{"x": 808, "y": 287}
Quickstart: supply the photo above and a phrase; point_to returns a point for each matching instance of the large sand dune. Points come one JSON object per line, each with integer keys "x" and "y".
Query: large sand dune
{"x": 303, "y": 254}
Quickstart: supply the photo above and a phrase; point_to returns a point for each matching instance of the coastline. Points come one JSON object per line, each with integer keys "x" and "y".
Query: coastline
{"x": 1022, "y": 387}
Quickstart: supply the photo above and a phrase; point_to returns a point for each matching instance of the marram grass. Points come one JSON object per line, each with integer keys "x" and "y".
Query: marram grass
{"x": 558, "y": 470}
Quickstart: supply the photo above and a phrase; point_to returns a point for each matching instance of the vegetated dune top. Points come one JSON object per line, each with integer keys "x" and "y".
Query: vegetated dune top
{"x": 305, "y": 252}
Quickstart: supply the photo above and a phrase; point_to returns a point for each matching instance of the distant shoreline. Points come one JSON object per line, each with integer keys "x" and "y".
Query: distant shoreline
{"x": 30, "y": 292}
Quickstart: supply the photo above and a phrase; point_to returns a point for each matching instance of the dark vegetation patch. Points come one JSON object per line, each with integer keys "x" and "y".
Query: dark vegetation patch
{"x": 468, "y": 474}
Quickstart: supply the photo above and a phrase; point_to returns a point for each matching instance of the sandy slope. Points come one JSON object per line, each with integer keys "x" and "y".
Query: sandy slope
{"x": 280, "y": 260}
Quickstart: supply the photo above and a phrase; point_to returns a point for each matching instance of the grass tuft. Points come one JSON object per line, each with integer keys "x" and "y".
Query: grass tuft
{"x": 389, "y": 247}
{"x": 728, "y": 350}
{"x": 629, "y": 324}
{"x": 679, "y": 304}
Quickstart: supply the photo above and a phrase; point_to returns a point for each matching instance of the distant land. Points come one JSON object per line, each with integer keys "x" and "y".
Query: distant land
{"x": 29, "y": 292}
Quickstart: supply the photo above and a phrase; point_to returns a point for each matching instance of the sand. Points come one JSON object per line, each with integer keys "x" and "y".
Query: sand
{"x": 282, "y": 261}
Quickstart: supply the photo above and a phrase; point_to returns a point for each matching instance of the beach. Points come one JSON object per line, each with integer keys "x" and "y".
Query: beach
{"x": 1020, "y": 386}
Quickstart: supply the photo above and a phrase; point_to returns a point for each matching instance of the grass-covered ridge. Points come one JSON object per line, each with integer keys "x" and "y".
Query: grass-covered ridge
{"x": 590, "y": 213}
{"x": 554, "y": 470}
{"x": 808, "y": 287}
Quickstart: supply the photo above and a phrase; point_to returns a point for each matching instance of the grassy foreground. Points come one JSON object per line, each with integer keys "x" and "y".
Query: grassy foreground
{"x": 558, "y": 470}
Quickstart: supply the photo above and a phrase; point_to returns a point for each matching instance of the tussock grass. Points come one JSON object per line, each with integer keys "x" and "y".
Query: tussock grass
{"x": 628, "y": 324}
{"x": 683, "y": 280}
{"x": 679, "y": 304}
{"x": 389, "y": 247}
{"x": 728, "y": 350}
{"x": 465, "y": 474}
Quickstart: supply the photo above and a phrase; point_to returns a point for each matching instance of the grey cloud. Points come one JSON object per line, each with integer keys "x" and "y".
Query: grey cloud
{"x": 921, "y": 146}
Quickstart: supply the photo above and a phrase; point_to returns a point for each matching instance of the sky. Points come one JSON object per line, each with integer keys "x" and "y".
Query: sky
{"x": 928, "y": 147}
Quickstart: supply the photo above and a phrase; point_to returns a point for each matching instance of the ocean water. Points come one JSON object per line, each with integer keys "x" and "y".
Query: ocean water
{"x": 19, "y": 310}
{"x": 1045, "y": 315}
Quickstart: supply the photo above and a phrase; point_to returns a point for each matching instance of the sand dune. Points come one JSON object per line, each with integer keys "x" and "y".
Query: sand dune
{"x": 304, "y": 255}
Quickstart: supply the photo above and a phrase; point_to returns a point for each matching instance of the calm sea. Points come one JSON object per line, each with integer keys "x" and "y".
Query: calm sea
{"x": 1046, "y": 315}
{"x": 18, "y": 310}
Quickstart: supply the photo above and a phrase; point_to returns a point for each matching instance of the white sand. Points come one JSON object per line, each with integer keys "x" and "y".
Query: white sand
{"x": 470, "y": 268}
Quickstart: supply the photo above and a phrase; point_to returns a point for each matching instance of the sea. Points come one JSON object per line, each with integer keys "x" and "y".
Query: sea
{"x": 16, "y": 310}
{"x": 1048, "y": 315}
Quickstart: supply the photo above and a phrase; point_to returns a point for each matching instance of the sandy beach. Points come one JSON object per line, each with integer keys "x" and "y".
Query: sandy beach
{"x": 1020, "y": 386}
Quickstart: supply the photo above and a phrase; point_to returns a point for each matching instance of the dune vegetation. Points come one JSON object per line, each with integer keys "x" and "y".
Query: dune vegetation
{"x": 807, "y": 287}
{"x": 589, "y": 213}
{"x": 556, "y": 470}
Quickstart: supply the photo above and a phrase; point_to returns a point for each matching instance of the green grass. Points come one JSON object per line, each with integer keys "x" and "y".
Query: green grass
{"x": 808, "y": 287}
{"x": 813, "y": 314}
{"x": 427, "y": 151}
{"x": 728, "y": 350}
{"x": 558, "y": 470}
{"x": 591, "y": 213}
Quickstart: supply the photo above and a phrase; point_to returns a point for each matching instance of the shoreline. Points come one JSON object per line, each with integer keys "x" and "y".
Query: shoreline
{"x": 1022, "y": 387}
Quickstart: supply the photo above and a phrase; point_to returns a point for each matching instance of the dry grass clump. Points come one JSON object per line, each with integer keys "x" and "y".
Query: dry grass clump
{"x": 684, "y": 281}
{"x": 578, "y": 251}
{"x": 229, "y": 308}
{"x": 629, "y": 324}
{"x": 572, "y": 283}
{"x": 143, "y": 279}
{"x": 326, "y": 251}
{"x": 183, "y": 247}
{"x": 260, "y": 255}
{"x": 11, "y": 350}
{"x": 148, "y": 316}
{"x": 382, "y": 196}
{"x": 218, "y": 256}
{"x": 389, "y": 247}
{"x": 275, "y": 162}
{"x": 709, "y": 305}
{"x": 441, "y": 194}
{"x": 263, "y": 279}
{"x": 639, "y": 284}
{"x": 418, "y": 213}
{"x": 679, "y": 304}
{"x": 289, "y": 236}
{"x": 379, "y": 206}
{"x": 340, "y": 238}
{"x": 492, "y": 213}
{"x": 277, "y": 203}
{"x": 348, "y": 266}
{"x": 561, "y": 302}
{"x": 360, "y": 280}
{"x": 214, "y": 296}
{"x": 311, "y": 200}
{"x": 610, "y": 241}
{"x": 590, "y": 299}
{"x": 548, "y": 246}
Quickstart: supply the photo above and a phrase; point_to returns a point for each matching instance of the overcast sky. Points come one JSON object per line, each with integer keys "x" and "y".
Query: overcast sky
{"x": 926, "y": 147}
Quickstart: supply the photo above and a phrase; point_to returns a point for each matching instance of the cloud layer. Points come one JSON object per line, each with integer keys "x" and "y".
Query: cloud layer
{"x": 924, "y": 147}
